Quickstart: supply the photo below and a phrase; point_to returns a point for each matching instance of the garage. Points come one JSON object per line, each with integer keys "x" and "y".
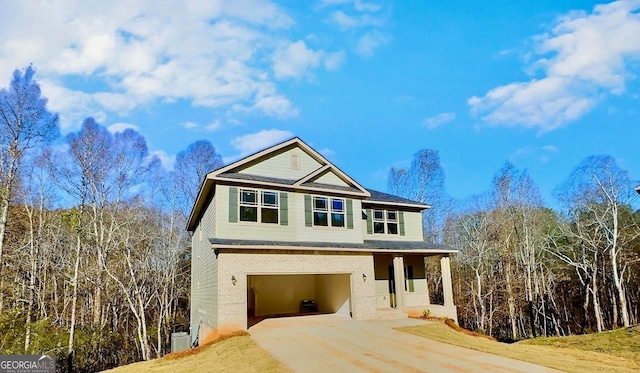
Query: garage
{"x": 296, "y": 294}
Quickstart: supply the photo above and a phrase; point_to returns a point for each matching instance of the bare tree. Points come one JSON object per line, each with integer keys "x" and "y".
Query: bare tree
{"x": 423, "y": 181}
{"x": 595, "y": 197}
{"x": 25, "y": 122}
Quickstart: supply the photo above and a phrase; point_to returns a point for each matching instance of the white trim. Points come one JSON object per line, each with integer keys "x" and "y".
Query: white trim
{"x": 259, "y": 205}
{"x": 329, "y": 211}
{"x": 355, "y": 249}
{"x": 402, "y": 204}
{"x": 290, "y": 187}
{"x": 306, "y": 148}
{"x": 311, "y": 175}
{"x": 385, "y": 221}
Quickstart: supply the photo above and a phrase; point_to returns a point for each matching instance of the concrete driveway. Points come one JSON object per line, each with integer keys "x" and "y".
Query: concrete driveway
{"x": 333, "y": 343}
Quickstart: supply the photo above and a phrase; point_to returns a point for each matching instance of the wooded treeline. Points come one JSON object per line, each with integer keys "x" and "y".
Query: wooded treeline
{"x": 94, "y": 258}
{"x": 95, "y": 262}
{"x": 525, "y": 269}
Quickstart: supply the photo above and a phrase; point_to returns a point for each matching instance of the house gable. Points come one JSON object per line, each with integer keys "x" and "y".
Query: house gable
{"x": 291, "y": 163}
{"x": 289, "y": 166}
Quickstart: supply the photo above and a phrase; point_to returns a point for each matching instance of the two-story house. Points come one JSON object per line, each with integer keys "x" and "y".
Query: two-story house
{"x": 285, "y": 225}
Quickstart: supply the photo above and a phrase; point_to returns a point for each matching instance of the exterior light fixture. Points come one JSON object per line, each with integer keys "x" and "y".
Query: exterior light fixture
{"x": 233, "y": 280}
{"x": 364, "y": 278}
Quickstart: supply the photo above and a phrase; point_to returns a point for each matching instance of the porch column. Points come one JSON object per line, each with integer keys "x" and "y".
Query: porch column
{"x": 447, "y": 287}
{"x": 426, "y": 279}
{"x": 398, "y": 272}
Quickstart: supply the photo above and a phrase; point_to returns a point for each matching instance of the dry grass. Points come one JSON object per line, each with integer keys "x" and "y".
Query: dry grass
{"x": 238, "y": 353}
{"x": 624, "y": 343}
{"x": 558, "y": 355}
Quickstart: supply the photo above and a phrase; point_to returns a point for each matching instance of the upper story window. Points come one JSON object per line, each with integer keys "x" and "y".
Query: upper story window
{"x": 385, "y": 221}
{"x": 328, "y": 212}
{"x": 258, "y": 206}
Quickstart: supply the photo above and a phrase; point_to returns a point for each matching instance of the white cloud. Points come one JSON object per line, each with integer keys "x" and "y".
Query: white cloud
{"x": 346, "y": 22}
{"x": 73, "y": 106}
{"x": 369, "y": 42}
{"x": 326, "y": 152}
{"x": 276, "y": 106}
{"x": 438, "y": 120}
{"x": 543, "y": 154}
{"x": 215, "y": 125}
{"x": 333, "y": 61}
{"x": 254, "y": 142}
{"x": 208, "y": 52}
{"x": 294, "y": 60}
{"x": 121, "y": 127}
{"x": 358, "y": 5}
{"x": 167, "y": 160}
{"x": 189, "y": 125}
{"x": 583, "y": 58}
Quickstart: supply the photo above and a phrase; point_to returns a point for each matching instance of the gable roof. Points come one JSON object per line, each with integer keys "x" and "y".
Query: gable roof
{"x": 232, "y": 173}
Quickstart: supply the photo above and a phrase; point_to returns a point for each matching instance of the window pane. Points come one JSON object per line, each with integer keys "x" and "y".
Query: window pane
{"x": 337, "y": 220}
{"x": 337, "y": 205}
{"x": 392, "y": 228}
{"x": 378, "y": 214}
{"x": 248, "y": 197}
{"x": 269, "y": 199}
{"x": 269, "y": 215}
{"x": 378, "y": 227}
{"x": 320, "y": 218}
{"x": 248, "y": 213}
{"x": 392, "y": 215}
{"x": 320, "y": 203}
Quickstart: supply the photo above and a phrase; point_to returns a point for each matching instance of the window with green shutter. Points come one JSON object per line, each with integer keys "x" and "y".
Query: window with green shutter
{"x": 233, "y": 205}
{"x": 284, "y": 209}
{"x": 349, "y": 214}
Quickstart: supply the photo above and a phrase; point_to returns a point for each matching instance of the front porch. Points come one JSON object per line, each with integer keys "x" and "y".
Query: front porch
{"x": 402, "y": 286}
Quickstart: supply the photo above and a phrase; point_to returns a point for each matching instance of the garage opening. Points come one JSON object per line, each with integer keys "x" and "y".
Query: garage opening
{"x": 298, "y": 294}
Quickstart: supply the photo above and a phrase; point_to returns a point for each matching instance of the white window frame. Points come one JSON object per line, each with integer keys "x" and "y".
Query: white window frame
{"x": 385, "y": 220}
{"x": 259, "y": 205}
{"x": 329, "y": 211}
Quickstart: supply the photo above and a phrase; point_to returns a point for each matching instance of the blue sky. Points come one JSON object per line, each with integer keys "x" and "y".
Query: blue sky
{"x": 542, "y": 84}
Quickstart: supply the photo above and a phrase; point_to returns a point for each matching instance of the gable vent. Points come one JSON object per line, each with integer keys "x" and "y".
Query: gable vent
{"x": 295, "y": 161}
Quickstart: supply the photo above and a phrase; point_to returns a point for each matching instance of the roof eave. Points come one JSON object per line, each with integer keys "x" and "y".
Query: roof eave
{"x": 342, "y": 249}
{"x": 402, "y": 204}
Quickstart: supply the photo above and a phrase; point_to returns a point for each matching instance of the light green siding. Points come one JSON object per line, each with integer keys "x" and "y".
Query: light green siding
{"x": 204, "y": 275}
{"x": 412, "y": 227}
{"x": 331, "y": 179}
{"x": 296, "y": 228}
{"x": 279, "y": 166}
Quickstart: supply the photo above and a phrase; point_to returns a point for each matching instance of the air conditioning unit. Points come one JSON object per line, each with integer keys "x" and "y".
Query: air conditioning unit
{"x": 180, "y": 341}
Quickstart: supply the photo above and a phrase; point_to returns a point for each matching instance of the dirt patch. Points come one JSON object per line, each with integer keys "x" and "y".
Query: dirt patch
{"x": 212, "y": 339}
{"x": 450, "y": 323}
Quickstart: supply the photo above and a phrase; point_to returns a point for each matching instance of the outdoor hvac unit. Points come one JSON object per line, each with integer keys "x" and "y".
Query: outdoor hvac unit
{"x": 180, "y": 341}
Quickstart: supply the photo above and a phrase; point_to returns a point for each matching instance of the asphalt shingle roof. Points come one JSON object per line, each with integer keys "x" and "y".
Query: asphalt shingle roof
{"x": 366, "y": 245}
{"x": 376, "y": 196}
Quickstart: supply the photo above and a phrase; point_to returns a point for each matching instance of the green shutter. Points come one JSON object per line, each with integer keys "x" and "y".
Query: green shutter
{"x": 233, "y": 205}
{"x": 349, "y": 214}
{"x": 369, "y": 221}
{"x": 284, "y": 209}
{"x": 401, "y": 221}
{"x": 409, "y": 274}
{"x": 307, "y": 211}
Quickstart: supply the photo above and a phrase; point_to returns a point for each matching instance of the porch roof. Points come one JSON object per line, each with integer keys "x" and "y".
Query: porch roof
{"x": 372, "y": 246}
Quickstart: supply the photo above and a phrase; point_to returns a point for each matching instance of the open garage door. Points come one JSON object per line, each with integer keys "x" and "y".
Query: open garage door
{"x": 283, "y": 295}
